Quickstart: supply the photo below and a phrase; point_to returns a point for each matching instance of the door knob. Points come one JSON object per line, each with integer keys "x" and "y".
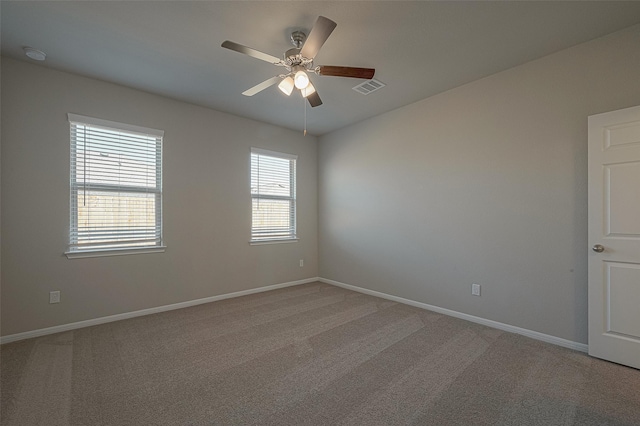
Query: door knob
{"x": 598, "y": 248}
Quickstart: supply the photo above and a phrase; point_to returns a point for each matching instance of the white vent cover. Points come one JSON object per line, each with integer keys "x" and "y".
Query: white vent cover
{"x": 369, "y": 86}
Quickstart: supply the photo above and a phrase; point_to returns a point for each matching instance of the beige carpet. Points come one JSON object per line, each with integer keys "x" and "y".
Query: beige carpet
{"x": 308, "y": 355}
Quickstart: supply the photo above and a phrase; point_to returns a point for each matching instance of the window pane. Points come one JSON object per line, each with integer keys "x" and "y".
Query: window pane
{"x": 270, "y": 175}
{"x": 272, "y": 219}
{"x": 128, "y": 219}
{"x": 117, "y": 161}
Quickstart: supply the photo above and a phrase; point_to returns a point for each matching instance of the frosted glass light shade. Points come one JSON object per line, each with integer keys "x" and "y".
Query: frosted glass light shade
{"x": 301, "y": 80}
{"x": 308, "y": 90}
{"x": 286, "y": 86}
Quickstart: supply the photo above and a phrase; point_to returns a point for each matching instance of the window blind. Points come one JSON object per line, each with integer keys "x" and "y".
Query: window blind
{"x": 273, "y": 193}
{"x": 116, "y": 185}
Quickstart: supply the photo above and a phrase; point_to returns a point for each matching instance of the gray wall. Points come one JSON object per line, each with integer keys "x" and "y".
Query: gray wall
{"x": 486, "y": 183}
{"x": 207, "y": 205}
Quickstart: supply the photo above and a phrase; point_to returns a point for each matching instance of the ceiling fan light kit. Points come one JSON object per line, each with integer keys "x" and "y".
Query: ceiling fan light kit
{"x": 286, "y": 86}
{"x": 298, "y": 62}
{"x": 301, "y": 80}
{"x": 308, "y": 90}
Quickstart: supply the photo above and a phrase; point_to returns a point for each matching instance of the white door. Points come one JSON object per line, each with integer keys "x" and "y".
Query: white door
{"x": 614, "y": 236}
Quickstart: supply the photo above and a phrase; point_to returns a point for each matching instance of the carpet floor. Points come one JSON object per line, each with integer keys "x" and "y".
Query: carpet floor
{"x": 312, "y": 354}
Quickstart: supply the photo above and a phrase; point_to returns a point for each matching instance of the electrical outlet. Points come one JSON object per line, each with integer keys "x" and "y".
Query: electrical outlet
{"x": 54, "y": 297}
{"x": 301, "y": 263}
{"x": 475, "y": 289}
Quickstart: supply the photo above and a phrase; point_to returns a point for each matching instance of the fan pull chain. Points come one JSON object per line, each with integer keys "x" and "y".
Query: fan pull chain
{"x": 304, "y": 100}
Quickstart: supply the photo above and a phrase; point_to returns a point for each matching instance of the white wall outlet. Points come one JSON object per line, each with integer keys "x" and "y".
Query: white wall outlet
{"x": 301, "y": 263}
{"x": 475, "y": 289}
{"x": 54, "y": 297}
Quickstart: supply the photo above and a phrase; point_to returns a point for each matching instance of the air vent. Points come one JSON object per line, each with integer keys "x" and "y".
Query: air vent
{"x": 369, "y": 86}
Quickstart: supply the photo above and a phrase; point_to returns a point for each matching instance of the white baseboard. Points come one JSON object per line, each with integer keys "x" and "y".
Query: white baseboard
{"x": 489, "y": 323}
{"x": 149, "y": 311}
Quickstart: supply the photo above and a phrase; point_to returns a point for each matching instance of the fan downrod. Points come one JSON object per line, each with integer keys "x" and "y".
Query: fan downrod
{"x": 298, "y": 38}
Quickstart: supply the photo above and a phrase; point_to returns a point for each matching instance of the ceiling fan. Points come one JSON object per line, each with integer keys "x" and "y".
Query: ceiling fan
{"x": 299, "y": 61}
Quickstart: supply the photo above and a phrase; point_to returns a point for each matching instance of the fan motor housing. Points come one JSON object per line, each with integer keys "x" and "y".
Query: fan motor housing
{"x": 293, "y": 55}
{"x": 294, "y": 61}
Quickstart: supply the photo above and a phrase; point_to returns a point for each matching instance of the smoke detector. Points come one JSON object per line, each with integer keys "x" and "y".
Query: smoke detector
{"x": 35, "y": 54}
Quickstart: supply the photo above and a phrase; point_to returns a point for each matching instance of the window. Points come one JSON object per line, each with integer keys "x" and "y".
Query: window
{"x": 116, "y": 188}
{"x": 273, "y": 196}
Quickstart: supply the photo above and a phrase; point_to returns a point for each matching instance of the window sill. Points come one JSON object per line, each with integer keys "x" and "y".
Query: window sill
{"x": 118, "y": 252}
{"x": 263, "y": 242}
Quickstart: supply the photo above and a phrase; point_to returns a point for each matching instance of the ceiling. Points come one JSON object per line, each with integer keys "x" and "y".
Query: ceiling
{"x": 419, "y": 48}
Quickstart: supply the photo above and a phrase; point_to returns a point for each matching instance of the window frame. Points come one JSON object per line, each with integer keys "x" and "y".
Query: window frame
{"x": 73, "y": 251}
{"x": 292, "y": 197}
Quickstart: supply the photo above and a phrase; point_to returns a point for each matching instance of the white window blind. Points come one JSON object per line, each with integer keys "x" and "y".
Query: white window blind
{"x": 116, "y": 186}
{"x": 273, "y": 193}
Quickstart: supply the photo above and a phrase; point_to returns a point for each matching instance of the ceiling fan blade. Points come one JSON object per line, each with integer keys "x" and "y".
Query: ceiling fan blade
{"x": 314, "y": 99}
{"x": 366, "y": 73}
{"x": 320, "y": 32}
{"x": 260, "y": 87}
{"x": 249, "y": 51}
